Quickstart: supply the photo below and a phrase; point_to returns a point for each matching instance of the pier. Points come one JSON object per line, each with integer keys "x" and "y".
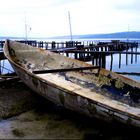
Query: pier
{"x": 114, "y": 45}
{"x": 85, "y": 51}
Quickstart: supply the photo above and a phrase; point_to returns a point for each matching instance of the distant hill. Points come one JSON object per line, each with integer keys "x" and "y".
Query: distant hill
{"x": 114, "y": 35}
{"x": 132, "y": 34}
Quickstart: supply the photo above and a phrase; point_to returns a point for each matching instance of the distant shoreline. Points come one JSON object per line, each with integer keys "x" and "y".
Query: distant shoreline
{"x": 126, "y": 35}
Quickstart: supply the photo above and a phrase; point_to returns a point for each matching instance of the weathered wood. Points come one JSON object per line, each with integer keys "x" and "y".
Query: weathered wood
{"x": 129, "y": 73}
{"x": 58, "y": 46}
{"x": 101, "y": 96}
{"x": 111, "y": 64}
{"x": 100, "y": 52}
{"x": 64, "y": 70}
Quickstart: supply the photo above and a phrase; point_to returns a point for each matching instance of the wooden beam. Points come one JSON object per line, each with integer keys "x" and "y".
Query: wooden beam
{"x": 99, "y": 52}
{"x": 65, "y": 70}
{"x": 129, "y": 73}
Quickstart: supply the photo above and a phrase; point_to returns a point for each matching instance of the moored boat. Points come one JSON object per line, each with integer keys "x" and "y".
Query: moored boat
{"x": 76, "y": 85}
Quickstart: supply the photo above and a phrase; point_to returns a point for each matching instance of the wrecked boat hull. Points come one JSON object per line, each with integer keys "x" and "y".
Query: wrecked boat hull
{"x": 70, "y": 94}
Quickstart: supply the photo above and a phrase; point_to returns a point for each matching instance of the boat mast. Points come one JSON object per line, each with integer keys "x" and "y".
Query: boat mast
{"x": 70, "y": 25}
{"x": 25, "y": 27}
{"x": 128, "y": 33}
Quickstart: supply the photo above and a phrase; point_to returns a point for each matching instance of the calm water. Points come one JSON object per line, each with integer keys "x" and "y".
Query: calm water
{"x": 131, "y": 65}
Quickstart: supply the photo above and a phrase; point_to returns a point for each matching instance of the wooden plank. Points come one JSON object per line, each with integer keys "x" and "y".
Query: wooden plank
{"x": 99, "y": 52}
{"x": 64, "y": 70}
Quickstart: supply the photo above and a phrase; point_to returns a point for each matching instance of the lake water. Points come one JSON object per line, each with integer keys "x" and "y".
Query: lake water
{"x": 131, "y": 65}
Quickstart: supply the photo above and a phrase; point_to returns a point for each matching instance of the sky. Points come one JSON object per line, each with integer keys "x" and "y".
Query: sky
{"x": 48, "y": 18}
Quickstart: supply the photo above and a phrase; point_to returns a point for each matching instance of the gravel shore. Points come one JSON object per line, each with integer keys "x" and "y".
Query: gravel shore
{"x": 26, "y": 115}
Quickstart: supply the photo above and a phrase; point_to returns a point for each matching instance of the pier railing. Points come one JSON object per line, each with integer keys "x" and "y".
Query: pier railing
{"x": 76, "y": 45}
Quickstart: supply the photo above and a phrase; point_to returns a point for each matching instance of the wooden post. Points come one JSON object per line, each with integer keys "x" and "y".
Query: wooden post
{"x": 67, "y": 54}
{"x": 0, "y": 67}
{"x": 111, "y": 62}
{"x": 136, "y": 55}
{"x": 92, "y": 59}
{"x": 62, "y": 44}
{"x": 99, "y": 56}
{"x": 119, "y": 60}
{"x": 53, "y": 44}
{"x": 101, "y": 48}
{"x": 96, "y": 61}
{"x": 126, "y": 59}
{"x": 131, "y": 55}
{"x": 75, "y": 54}
{"x": 103, "y": 61}
{"x": 46, "y": 45}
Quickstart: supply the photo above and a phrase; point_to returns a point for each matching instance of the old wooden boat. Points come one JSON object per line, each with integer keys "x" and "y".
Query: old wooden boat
{"x": 76, "y": 85}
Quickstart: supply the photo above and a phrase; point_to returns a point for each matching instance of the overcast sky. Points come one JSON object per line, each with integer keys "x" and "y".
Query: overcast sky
{"x": 47, "y": 18}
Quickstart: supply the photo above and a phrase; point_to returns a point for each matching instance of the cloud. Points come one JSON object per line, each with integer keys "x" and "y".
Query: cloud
{"x": 126, "y": 5}
{"x": 50, "y": 17}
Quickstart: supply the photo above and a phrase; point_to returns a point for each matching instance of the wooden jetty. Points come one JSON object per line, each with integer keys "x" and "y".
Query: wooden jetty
{"x": 98, "y": 58}
{"x": 85, "y": 51}
{"x": 78, "y": 45}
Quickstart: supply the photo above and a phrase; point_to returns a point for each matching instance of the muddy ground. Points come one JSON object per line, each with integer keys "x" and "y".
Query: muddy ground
{"x": 26, "y": 115}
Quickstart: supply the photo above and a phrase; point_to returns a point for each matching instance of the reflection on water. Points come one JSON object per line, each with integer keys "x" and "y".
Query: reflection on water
{"x": 125, "y": 63}
{"x": 5, "y": 67}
